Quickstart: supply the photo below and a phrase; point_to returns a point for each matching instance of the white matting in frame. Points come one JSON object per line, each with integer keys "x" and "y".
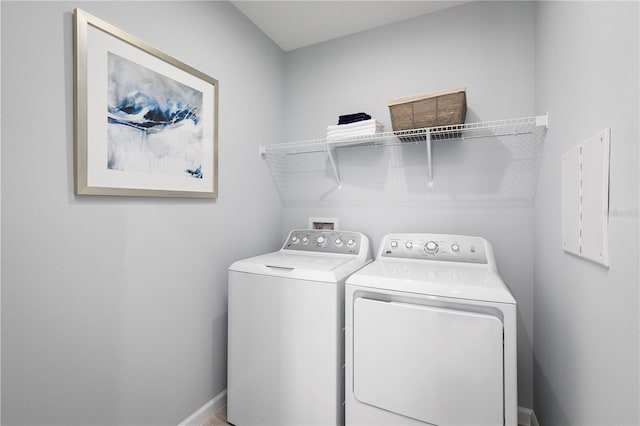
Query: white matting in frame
{"x": 145, "y": 123}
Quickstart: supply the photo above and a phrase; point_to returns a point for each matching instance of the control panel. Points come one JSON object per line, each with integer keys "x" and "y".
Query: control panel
{"x": 325, "y": 241}
{"x": 451, "y": 248}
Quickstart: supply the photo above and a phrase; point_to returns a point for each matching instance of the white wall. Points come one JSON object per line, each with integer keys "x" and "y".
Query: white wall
{"x": 489, "y": 48}
{"x": 114, "y": 308}
{"x": 586, "y": 329}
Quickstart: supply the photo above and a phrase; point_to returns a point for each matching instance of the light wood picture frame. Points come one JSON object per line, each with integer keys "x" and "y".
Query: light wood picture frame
{"x": 146, "y": 124}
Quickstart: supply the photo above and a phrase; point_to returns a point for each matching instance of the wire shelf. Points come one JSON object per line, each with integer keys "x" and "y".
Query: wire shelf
{"x": 299, "y": 166}
{"x": 455, "y": 132}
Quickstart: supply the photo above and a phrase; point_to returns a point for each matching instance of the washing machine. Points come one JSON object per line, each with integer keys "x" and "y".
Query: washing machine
{"x": 430, "y": 335}
{"x": 286, "y": 330}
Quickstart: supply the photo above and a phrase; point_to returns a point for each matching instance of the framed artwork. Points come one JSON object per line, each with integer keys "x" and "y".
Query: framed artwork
{"x": 145, "y": 123}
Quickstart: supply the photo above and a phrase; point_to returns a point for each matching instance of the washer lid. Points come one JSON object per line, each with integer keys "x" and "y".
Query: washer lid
{"x": 446, "y": 279}
{"x": 304, "y": 266}
{"x": 302, "y": 261}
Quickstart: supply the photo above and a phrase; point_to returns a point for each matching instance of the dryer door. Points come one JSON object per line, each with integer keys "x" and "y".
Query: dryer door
{"x": 439, "y": 366}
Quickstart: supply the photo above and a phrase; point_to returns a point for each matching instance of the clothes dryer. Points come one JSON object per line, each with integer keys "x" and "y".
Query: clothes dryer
{"x": 430, "y": 335}
{"x": 286, "y": 330}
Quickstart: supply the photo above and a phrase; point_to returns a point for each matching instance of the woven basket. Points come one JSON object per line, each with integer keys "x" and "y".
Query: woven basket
{"x": 430, "y": 110}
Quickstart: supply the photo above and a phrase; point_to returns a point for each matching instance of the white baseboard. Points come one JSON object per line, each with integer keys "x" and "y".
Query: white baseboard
{"x": 534, "y": 419}
{"x": 206, "y": 411}
{"x": 527, "y": 417}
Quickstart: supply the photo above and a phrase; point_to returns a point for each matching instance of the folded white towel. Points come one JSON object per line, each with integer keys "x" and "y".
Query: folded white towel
{"x": 342, "y": 132}
{"x": 356, "y": 125}
{"x": 341, "y": 135}
{"x": 360, "y": 129}
{"x": 356, "y": 129}
{"x": 359, "y": 132}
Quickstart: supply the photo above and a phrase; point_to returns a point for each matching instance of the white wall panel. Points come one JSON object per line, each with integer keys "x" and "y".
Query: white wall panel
{"x": 585, "y": 198}
{"x": 595, "y": 198}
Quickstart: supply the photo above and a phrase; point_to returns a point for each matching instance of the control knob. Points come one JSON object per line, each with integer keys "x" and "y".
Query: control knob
{"x": 351, "y": 242}
{"x": 431, "y": 247}
{"x": 295, "y": 240}
{"x": 305, "y": 240}
{"x": 339, "y": 242}
{"x": 394, "y": 244}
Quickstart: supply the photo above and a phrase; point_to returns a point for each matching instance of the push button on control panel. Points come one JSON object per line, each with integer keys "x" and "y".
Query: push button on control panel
{"x": 322, "y": 241}
{"x": 435, "y": 247}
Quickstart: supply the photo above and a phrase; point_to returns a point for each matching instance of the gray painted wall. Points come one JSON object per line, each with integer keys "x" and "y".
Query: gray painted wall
{"x": 111, "y": 317}
{"x": 586, "y": 335}
{"x": 114, "y": 308}
{"x": 489, "y": 48}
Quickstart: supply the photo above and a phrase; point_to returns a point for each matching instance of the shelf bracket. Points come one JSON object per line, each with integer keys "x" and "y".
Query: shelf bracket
{"x": 429, "y": 161}
{"x": 543, "y": 120}
{"x": 333, "y": 166}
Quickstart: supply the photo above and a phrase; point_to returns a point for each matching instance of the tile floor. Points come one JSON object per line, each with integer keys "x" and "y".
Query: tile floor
{"x": 220, "y": 419}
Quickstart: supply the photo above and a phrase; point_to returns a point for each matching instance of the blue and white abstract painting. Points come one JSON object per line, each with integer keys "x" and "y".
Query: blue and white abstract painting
{"x": 154, "y": 123}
